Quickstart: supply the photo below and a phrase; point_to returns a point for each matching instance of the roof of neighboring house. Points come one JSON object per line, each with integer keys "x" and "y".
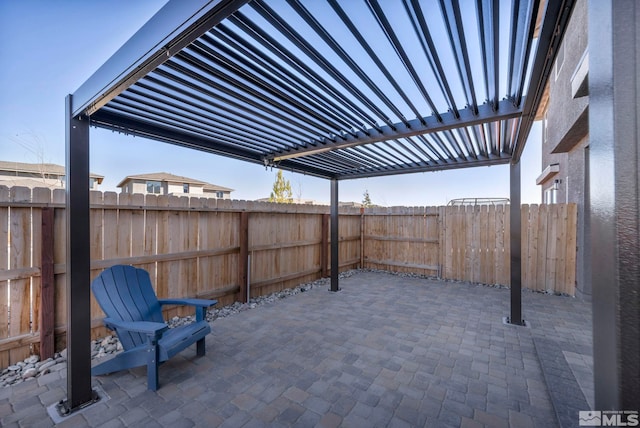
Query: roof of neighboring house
{"x": 216, "y": 188}
{"x": 164, "y": 176}
{"x": 40, "y": 168}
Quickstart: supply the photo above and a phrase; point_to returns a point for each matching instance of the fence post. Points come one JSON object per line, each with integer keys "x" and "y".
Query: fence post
{"x": 47, "y": 285}
{"x": 324, "y": 249}
{"x": 243, "y": 263}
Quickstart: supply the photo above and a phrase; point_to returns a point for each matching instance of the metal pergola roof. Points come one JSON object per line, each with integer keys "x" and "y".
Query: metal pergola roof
{"x": 335, "y": 89}
{"x": 338, "y": 89}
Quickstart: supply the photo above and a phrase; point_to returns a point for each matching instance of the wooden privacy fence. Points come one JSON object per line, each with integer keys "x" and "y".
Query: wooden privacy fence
{"x": 228, "y": 250}
{"x": 476, "y": 246}
{"x": 193, "y": 247}
{"x": 472, "y": 243}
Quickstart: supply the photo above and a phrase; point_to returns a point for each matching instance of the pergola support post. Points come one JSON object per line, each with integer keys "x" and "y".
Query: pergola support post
{"x": 335, "y": 265}
{"x": 515, "y": 240}
{"x": 79, "y": 392}
{"x": 614, "y": 138}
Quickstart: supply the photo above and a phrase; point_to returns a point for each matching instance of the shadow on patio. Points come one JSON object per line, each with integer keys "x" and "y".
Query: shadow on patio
{"x": 387, "y": 350}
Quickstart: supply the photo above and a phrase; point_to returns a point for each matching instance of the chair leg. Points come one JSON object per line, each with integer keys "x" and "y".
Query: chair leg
{"x": 200, "y": 348}
{"x": 152, "y": 367}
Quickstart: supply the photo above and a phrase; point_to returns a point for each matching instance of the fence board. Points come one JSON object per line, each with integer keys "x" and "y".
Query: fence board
{"x": 532, "y": 281}
{"x": 524, "y": 252}
{"x": 96, "y": 230}
{"x": 446, "y": 239}
{"x": 505, "y": 259}
{"x": 110, "y": 222}
{"x": 191, "y": 285}
{"x": 42, "y": 286}
{"x": 560, "y": 241}
{"x": 483, "y": 267}
{"x": 502, "y": 256}
{"x": 476, "y": 247}
{"x": 163, "y": 278}
{"x": 178, "y": 241}
{"x": 20, "y": 257}
{"x": 552, "y": 217}
{"x": 4, "y": 284}
{"x": 60, "y": 257}
{"x": 123, "y": 228}
{"x": 491, "y": 245}
{"x": 571, "y": 249}
{"x": 151, "y": 237}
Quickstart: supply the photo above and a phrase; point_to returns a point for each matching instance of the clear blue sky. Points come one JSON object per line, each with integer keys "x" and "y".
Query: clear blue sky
{"x": 49, "y": 48}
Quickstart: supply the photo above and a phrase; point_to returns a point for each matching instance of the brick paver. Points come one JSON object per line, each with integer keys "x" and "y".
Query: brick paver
{"x": 386, "y": 350}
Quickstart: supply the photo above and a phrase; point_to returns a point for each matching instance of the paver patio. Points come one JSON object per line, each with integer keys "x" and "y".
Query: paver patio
{"x": 385, "y": 351}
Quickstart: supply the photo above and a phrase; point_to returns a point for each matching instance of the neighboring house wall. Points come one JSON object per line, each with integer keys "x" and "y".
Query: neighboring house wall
{"x": 218, "y": 194}
{"x": 135, "y": 186}
{"x": 169, "y": 184}
{"x": 565, "y": 136}
{"x": 38, "y": 175}
{"x": 179, "y": 188}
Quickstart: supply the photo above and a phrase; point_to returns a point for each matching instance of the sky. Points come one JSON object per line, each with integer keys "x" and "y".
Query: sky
{"x": 49, "y": 48}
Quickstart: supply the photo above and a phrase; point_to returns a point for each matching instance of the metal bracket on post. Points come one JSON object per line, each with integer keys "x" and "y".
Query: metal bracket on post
{"x": 64, "y": 409}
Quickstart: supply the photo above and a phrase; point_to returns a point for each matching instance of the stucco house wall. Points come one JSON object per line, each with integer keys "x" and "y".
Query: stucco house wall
{"x": 565, "y": 137}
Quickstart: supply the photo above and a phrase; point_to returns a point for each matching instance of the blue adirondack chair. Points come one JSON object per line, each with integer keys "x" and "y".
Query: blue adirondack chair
{"x": 134, "y": 312}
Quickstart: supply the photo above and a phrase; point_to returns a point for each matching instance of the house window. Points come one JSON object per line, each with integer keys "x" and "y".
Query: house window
{"x": 153, "y": 187}
{"x": 185, "y": 188}
{"x": 219, "y": 195}
{"x": 551, "y": 194}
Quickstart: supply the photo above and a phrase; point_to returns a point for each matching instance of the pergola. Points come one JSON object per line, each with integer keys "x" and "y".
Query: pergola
{"x": 334, "y": 89}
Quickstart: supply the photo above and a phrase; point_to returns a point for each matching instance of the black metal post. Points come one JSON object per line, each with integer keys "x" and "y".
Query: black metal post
{"x": 614, "y": 133}
{"x": 516, "y": 242}
{"x": 335, "y": 265}
{"x": 79, "y": 392}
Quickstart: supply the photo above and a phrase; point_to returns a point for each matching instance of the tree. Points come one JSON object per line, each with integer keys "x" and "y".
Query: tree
{"x": 366, "y": 200}
{"x": 282, "y": 192}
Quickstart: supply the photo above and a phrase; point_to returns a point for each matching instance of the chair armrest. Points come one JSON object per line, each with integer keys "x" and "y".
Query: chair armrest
{"x": 202, "y": 303}
{"x": 145, "y": 327}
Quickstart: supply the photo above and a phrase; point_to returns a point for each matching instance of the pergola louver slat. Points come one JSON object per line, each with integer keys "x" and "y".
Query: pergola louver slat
{"x": 421, "y": 30}
{"x": 488, "y": 26}
{"x": 375, "y": 58}
{"x": 273, "y": 46}
{"x": 272, "y": 17}
{"x": 381, "y": 18}
{"x": 315, "y": 100}
{"x": 335, "y": 46}
{"x": 455, "y": 30}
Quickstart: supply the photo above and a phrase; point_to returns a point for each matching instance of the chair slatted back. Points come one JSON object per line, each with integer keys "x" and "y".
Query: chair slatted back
{"x": 125, "y": 293}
